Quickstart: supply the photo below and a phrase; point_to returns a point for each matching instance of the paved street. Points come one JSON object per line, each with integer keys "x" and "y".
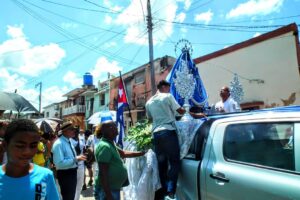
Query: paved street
{"x": 87, "y": 194}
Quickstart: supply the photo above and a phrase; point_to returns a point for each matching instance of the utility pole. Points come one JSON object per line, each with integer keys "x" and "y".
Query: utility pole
{"x": 150, "y": 39}
{"x": 40, "y": 96}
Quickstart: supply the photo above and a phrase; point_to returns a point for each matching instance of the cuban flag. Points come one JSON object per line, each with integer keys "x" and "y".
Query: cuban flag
{"x": 122, "y": 102}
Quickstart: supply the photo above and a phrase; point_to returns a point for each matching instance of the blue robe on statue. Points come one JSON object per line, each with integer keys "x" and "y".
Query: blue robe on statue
{"x": 200, "y": 96}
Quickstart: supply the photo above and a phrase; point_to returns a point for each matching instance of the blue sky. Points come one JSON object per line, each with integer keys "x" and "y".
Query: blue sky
{"x": 56, "y": 41}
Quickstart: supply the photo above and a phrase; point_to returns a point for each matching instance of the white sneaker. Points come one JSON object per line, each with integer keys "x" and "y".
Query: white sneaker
{"x": 169, "y": 198}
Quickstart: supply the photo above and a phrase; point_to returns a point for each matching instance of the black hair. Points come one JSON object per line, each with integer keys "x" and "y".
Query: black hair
{"x": 87, "y": 133}
{"x": 17, "y": 126}
{"x": 46, "y": 135}
{"x": 104, "y": 129}
{"x": 162, "y": 83}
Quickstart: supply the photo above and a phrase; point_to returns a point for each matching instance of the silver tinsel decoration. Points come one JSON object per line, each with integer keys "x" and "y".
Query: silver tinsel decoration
{"x": 236, "y": 89}
{"x": 185, "y": 86}
{"x": 184, "y": 82}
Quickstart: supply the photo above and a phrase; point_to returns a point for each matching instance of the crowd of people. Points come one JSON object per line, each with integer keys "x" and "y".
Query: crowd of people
{"x": 32, "y": 160}
{"x": 37, "y": 159}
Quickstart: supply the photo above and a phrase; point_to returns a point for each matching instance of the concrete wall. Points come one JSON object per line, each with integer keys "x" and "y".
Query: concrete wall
{"x": 52, "y": 110}
{"x": 268, "y": 71}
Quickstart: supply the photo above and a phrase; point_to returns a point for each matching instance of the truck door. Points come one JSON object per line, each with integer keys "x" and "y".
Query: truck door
{"x": 253, "y": 160}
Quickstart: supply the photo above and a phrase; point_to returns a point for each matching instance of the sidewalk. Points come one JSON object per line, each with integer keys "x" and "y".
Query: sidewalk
{"x": 88, "y": 194}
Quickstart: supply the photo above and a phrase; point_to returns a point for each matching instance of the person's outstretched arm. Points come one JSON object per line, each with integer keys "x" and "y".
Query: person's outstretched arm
{"x": 130, "y": 154}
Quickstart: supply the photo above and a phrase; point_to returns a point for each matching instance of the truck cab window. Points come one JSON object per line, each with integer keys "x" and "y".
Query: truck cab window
{"x": 199, "y": 141}
{"x": 266, "y": 144}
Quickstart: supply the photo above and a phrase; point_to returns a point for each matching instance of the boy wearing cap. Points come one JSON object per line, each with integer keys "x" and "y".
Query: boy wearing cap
{"x": 65, "y": 160}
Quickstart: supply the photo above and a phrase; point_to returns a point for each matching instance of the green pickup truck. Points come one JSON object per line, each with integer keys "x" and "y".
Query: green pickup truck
{"x": 254, "y": 155}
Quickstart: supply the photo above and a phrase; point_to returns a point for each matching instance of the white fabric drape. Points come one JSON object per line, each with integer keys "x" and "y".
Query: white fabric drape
{"x": 143, "y": 177}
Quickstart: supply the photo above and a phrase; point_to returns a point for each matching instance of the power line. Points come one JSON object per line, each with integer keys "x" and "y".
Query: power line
{"x": 142, "y": 9}
{"x": 70, "y": 19}
{"x": 95, "y": 47}
{"x": 59, "y": 42}
{"x": 264, "y": 20}
{"x": 70, "y": 35}
{"x": 163, "y": 7}
{"x": 201, "y": 5}
{"x": 112, "y": 11}
{"x": 220, "y": 27}
{"x": 85, "y": 9}
{"x": 52, "y": 26}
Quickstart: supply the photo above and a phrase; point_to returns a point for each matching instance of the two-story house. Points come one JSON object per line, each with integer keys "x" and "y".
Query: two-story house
{"x": 52, "y": 110}
{"x": 137, "y": 83}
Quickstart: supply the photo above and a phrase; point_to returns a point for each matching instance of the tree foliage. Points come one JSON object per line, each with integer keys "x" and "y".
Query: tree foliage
{"x": 140, "y": 134}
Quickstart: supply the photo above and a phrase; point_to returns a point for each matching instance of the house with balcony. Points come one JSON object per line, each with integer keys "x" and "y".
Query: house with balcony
{"x": 137, "y": 83}
{"x": 102, "y": 97}
{"x": 74, "y": 107}
{"x": 52, "y": 110}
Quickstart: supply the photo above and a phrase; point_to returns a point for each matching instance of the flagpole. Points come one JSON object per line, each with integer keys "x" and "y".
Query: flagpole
{"x": 121, "y": 79}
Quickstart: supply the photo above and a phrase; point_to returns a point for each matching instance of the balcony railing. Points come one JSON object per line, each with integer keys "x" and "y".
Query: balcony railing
{"x": 73, "y": 110}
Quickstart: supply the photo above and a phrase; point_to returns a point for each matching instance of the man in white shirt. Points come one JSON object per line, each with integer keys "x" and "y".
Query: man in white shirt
{"x": 227, "y": 104}
{"x": 161, "y": 109}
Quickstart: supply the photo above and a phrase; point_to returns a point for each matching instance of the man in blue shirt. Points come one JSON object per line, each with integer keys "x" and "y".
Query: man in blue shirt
{"x": 65, "y": 160}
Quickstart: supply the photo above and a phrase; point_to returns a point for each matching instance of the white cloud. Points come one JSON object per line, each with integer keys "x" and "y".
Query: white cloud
{"x": 17, "y": 41}
{"x": 180, "y": 17}
{"x": 187, "y": 3}
{"x": 19, "y": 55}
{"x": 53, "y": 94}
{"x": 10, "y": 82}
{"x": 255, "y": 7}
{"x": 133, "y": 19}
{"x": 109, "y": 4}
{"x": 40, "y": 58}
{"x": 108, "y": 19}
{"x": 205, "y": 17}
{"x": 183, "y": 30}
{"x": 15, "y": 31}
{"x": 103, "y": 66}
{"x": 256, "y": 34}
{"x": 66, "y": 25}
{"x": 73, "y": 79}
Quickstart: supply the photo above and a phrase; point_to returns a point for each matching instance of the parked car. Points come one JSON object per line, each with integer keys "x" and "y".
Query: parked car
{"x": 253, "y": 155}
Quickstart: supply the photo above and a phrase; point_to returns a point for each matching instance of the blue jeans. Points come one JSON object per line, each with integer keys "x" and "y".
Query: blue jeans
{"x": 166, "y": 147}
{"x": 99, "y": 194}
